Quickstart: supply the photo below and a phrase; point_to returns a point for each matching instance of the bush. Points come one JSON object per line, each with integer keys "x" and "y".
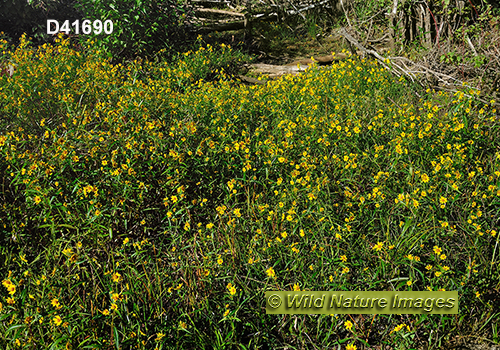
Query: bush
{"x": 140, "y": 28}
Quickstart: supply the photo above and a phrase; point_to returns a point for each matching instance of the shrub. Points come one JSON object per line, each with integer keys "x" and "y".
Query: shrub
{"x": 140, "y": 28}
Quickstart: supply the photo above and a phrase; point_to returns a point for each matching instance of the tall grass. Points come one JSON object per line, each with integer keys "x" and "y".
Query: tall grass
{"x": 151, "y": 205}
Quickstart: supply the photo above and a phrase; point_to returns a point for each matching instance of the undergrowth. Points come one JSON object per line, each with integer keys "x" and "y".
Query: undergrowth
{"x": 151, "y": 205}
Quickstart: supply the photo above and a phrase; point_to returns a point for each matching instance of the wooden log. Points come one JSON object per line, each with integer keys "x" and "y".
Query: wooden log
{"x": 218, "y": 12}
{"x": 222, "y": 27}
{"x": 321, "y": 60}
{"x": 251, "y": 17}
{"x": 275, "y": 70}
{"x": 211, "y": 2}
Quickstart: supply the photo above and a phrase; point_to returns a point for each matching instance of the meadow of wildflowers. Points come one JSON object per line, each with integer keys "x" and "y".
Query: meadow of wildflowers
{"x": 151, "y": 204}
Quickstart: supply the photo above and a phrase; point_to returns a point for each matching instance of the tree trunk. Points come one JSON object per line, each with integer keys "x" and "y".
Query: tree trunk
{"x": 411, "y": 23}
{"x": 248, "y": 19}
{"x": 392, "y": 24}
{"x": 427, "y": 27}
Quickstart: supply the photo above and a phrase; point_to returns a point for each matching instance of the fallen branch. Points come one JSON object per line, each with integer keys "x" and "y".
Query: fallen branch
{"x": 379, "y": 39}
{"x": 398, "y": 66}
{"x": 399, "y": 71}
{"x": 242, "y": 24}
{"x": 263, "y": 16}
{"x": 218, "y": 12}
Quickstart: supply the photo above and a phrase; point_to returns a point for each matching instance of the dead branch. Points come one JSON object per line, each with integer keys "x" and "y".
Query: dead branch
{"x": 470, "y": 45}
{"x": 398, "y": 71}
{"x": 379, "y": 39}
{"x": 422, "y": 73}
{"x": 267, "y": 13}
{"x": 217, "y": 12}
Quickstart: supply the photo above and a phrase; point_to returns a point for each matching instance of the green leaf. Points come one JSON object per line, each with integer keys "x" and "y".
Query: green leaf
{"x": 117, "y": 342}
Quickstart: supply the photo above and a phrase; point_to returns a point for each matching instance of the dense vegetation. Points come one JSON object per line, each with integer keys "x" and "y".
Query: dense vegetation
{"x": 139, "y": 27}
{"x": 151, "y": 204}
